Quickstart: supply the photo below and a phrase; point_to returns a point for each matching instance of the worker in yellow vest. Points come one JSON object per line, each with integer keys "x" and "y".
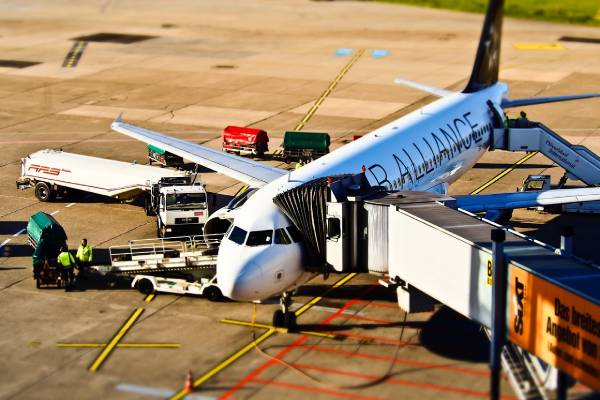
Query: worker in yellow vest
{"x": 84, "y": 256}
{"x": 66, "y": 262}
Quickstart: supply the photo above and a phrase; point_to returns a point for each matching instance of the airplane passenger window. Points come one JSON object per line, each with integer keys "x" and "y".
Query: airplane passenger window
{"x": 237, "y": 235}
{"x": 294, "y": 233}
{"x": 259, "y": 238}
{"x": 281, "y": 237}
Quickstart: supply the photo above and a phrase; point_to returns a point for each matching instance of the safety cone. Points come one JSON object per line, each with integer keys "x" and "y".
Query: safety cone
{"x": 189, "y": 382}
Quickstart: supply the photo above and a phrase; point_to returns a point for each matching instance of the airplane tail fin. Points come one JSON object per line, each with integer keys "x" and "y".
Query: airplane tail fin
{"x": 487, "y": 60}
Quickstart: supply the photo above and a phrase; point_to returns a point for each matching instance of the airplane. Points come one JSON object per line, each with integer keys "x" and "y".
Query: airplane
{"x": 261, "y": 255}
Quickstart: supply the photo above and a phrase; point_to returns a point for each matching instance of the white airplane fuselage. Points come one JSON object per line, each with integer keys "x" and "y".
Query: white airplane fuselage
{"x": 425, "y": 150}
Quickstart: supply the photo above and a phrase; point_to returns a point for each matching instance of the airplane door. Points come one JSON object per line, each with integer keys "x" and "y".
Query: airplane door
{"x": 337, "y": 239}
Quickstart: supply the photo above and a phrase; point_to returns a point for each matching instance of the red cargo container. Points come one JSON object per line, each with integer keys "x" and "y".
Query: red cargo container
{"x": 240, "y": 140}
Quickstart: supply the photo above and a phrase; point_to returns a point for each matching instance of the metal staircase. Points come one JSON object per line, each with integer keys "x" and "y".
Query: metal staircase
{"x": 578, "y": 161}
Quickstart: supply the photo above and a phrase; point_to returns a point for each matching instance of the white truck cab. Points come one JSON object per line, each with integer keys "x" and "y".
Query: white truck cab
{"x": 182, "y": 204}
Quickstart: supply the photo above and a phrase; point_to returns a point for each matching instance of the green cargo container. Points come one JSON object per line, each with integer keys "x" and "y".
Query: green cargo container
{"x": 310, "y": 145}
{"x": 46, "y": 236}
{"x": 318, "y": 141}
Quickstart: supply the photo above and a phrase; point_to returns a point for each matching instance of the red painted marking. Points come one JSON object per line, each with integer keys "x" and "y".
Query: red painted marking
{"x": 367, "y": 319}
{"x": 397, "y": 381}
{"x": 402, "y": 361}
{"x": 252, "y": 375}
{"x": 315, "y": 390}
{"x": 374, "y": 304}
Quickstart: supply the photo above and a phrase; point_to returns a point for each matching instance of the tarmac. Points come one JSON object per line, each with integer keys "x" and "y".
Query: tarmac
{"x": 196, "y": 67}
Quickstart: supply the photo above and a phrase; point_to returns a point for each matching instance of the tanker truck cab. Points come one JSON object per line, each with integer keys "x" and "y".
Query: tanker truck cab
{"x": 180, "y": 206}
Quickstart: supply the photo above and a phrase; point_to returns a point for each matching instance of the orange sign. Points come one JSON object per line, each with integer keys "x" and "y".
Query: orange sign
{"x": 556, "y": 325}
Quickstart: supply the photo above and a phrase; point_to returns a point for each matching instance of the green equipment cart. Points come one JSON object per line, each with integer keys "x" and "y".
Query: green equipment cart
{"x": 304, "y": 145}
{"x": 46, "y": 236}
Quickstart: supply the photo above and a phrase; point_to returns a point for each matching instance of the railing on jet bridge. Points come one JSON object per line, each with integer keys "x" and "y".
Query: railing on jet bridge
{"x": 579, "y": 161}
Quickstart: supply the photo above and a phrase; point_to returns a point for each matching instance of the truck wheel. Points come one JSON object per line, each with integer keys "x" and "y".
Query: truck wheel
{"x": 43, "y": 192}
{"x": 38, "y": 283}
{"x": 213, "y": 293}
{"x": 145, "y": 286}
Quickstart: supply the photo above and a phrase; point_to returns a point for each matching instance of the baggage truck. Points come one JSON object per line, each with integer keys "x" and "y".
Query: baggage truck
{"x": 164, "y": 158}
{"x": 46, "y": 236}
{"x": 241, "y": 140}
{"x": 175, "y": 197}
{"x": 304, "y": 145}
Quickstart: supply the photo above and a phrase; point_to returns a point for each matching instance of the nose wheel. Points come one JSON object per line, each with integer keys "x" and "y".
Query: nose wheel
{"x": 284, "y": 318}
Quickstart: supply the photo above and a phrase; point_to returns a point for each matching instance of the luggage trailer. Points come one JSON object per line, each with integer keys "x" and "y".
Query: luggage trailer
{"x": 179, "y": 265}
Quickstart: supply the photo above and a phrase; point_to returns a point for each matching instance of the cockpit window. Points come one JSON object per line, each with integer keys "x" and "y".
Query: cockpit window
{"x": 281, "y": 237}
{"x": 237, "y": 235}
{"x": 259, "y": 238}
{"x": 294, "y": 233}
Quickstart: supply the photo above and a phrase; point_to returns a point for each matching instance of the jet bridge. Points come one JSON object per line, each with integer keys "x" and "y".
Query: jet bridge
{"x": 436, "y": 254}
{"x": 578, "y": 161}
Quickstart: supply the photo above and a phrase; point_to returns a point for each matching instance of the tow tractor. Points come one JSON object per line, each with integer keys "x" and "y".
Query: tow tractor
{"x": 181, "y": 265}
{"x": 46, "y": 236}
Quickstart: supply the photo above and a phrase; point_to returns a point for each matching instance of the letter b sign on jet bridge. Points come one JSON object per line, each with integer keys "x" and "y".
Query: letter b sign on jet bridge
{"x": 556, "y": 325}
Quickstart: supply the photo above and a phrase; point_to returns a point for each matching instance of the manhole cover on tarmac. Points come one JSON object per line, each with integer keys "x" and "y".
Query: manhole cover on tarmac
{"x": 113, "y": 38}
{"x": 17, "y": 63}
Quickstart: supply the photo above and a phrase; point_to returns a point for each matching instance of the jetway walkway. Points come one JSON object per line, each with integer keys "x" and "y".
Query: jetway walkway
{"x": 578, "y": 161}
{"x": 435, "y": 254}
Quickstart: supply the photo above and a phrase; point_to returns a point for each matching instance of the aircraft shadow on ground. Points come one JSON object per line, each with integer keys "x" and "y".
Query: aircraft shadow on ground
{"x": 452, "y": 335}
{"x": 11, "y": 227}
{"x": 485, "y": 165}
{"x": 584, "y": 240}
{"x": 378, "y": 293}
{"x": 16, "y": 250}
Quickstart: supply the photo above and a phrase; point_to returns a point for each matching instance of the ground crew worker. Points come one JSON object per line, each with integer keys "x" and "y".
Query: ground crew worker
{"x": 299, "y": 164}
{"x": 67, "y": 263}
{"x": 522, "y": 121}
{"x": 84, "y": 256}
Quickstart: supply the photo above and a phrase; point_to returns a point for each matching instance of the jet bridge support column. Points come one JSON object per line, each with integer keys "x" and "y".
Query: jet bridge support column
{"x": 566, "y": 247}
{"x": 498, "y": 310}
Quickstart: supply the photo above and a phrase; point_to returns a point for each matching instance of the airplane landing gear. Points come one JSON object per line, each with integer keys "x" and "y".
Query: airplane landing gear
{"x": 284, "y": 318}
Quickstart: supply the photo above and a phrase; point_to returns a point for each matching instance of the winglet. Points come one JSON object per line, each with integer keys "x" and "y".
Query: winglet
{"x": 119, "y": 117}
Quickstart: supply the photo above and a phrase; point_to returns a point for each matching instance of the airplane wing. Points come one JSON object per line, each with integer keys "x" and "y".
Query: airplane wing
{"x": 250, "y": 172}
{"x": 505, "y": 201}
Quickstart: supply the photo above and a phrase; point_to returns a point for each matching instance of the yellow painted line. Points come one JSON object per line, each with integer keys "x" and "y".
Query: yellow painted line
{"x": 78, "y": 47}
{"x": 279, "y": 330}
{"x": 227, "y": 362}
{"x": 241, "y": 190}
{"x": 115, "y": 340}
{"x": 539, "y": 46}
{"x": 122, "y": 345}
{"x": 329, "y": 89}
{"x": 314, "y": 301}
{"x": 264, "y": 336}
{"x": 503, "y": 173}
{"x": 149, "y": 298}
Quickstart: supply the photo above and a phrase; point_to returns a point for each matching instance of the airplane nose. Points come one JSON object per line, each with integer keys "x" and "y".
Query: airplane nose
{"x": 241, "y": 284}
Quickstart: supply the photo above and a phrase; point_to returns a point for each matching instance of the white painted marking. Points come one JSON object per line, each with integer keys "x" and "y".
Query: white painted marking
{"x": 332, "y": 310}
{"x": 54, "y": 212}
{"x": 18, "y": 233}
{"x": 4, "y": 243}
{"x": 70, "y": 205}
{"x": 156, "y": 392}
